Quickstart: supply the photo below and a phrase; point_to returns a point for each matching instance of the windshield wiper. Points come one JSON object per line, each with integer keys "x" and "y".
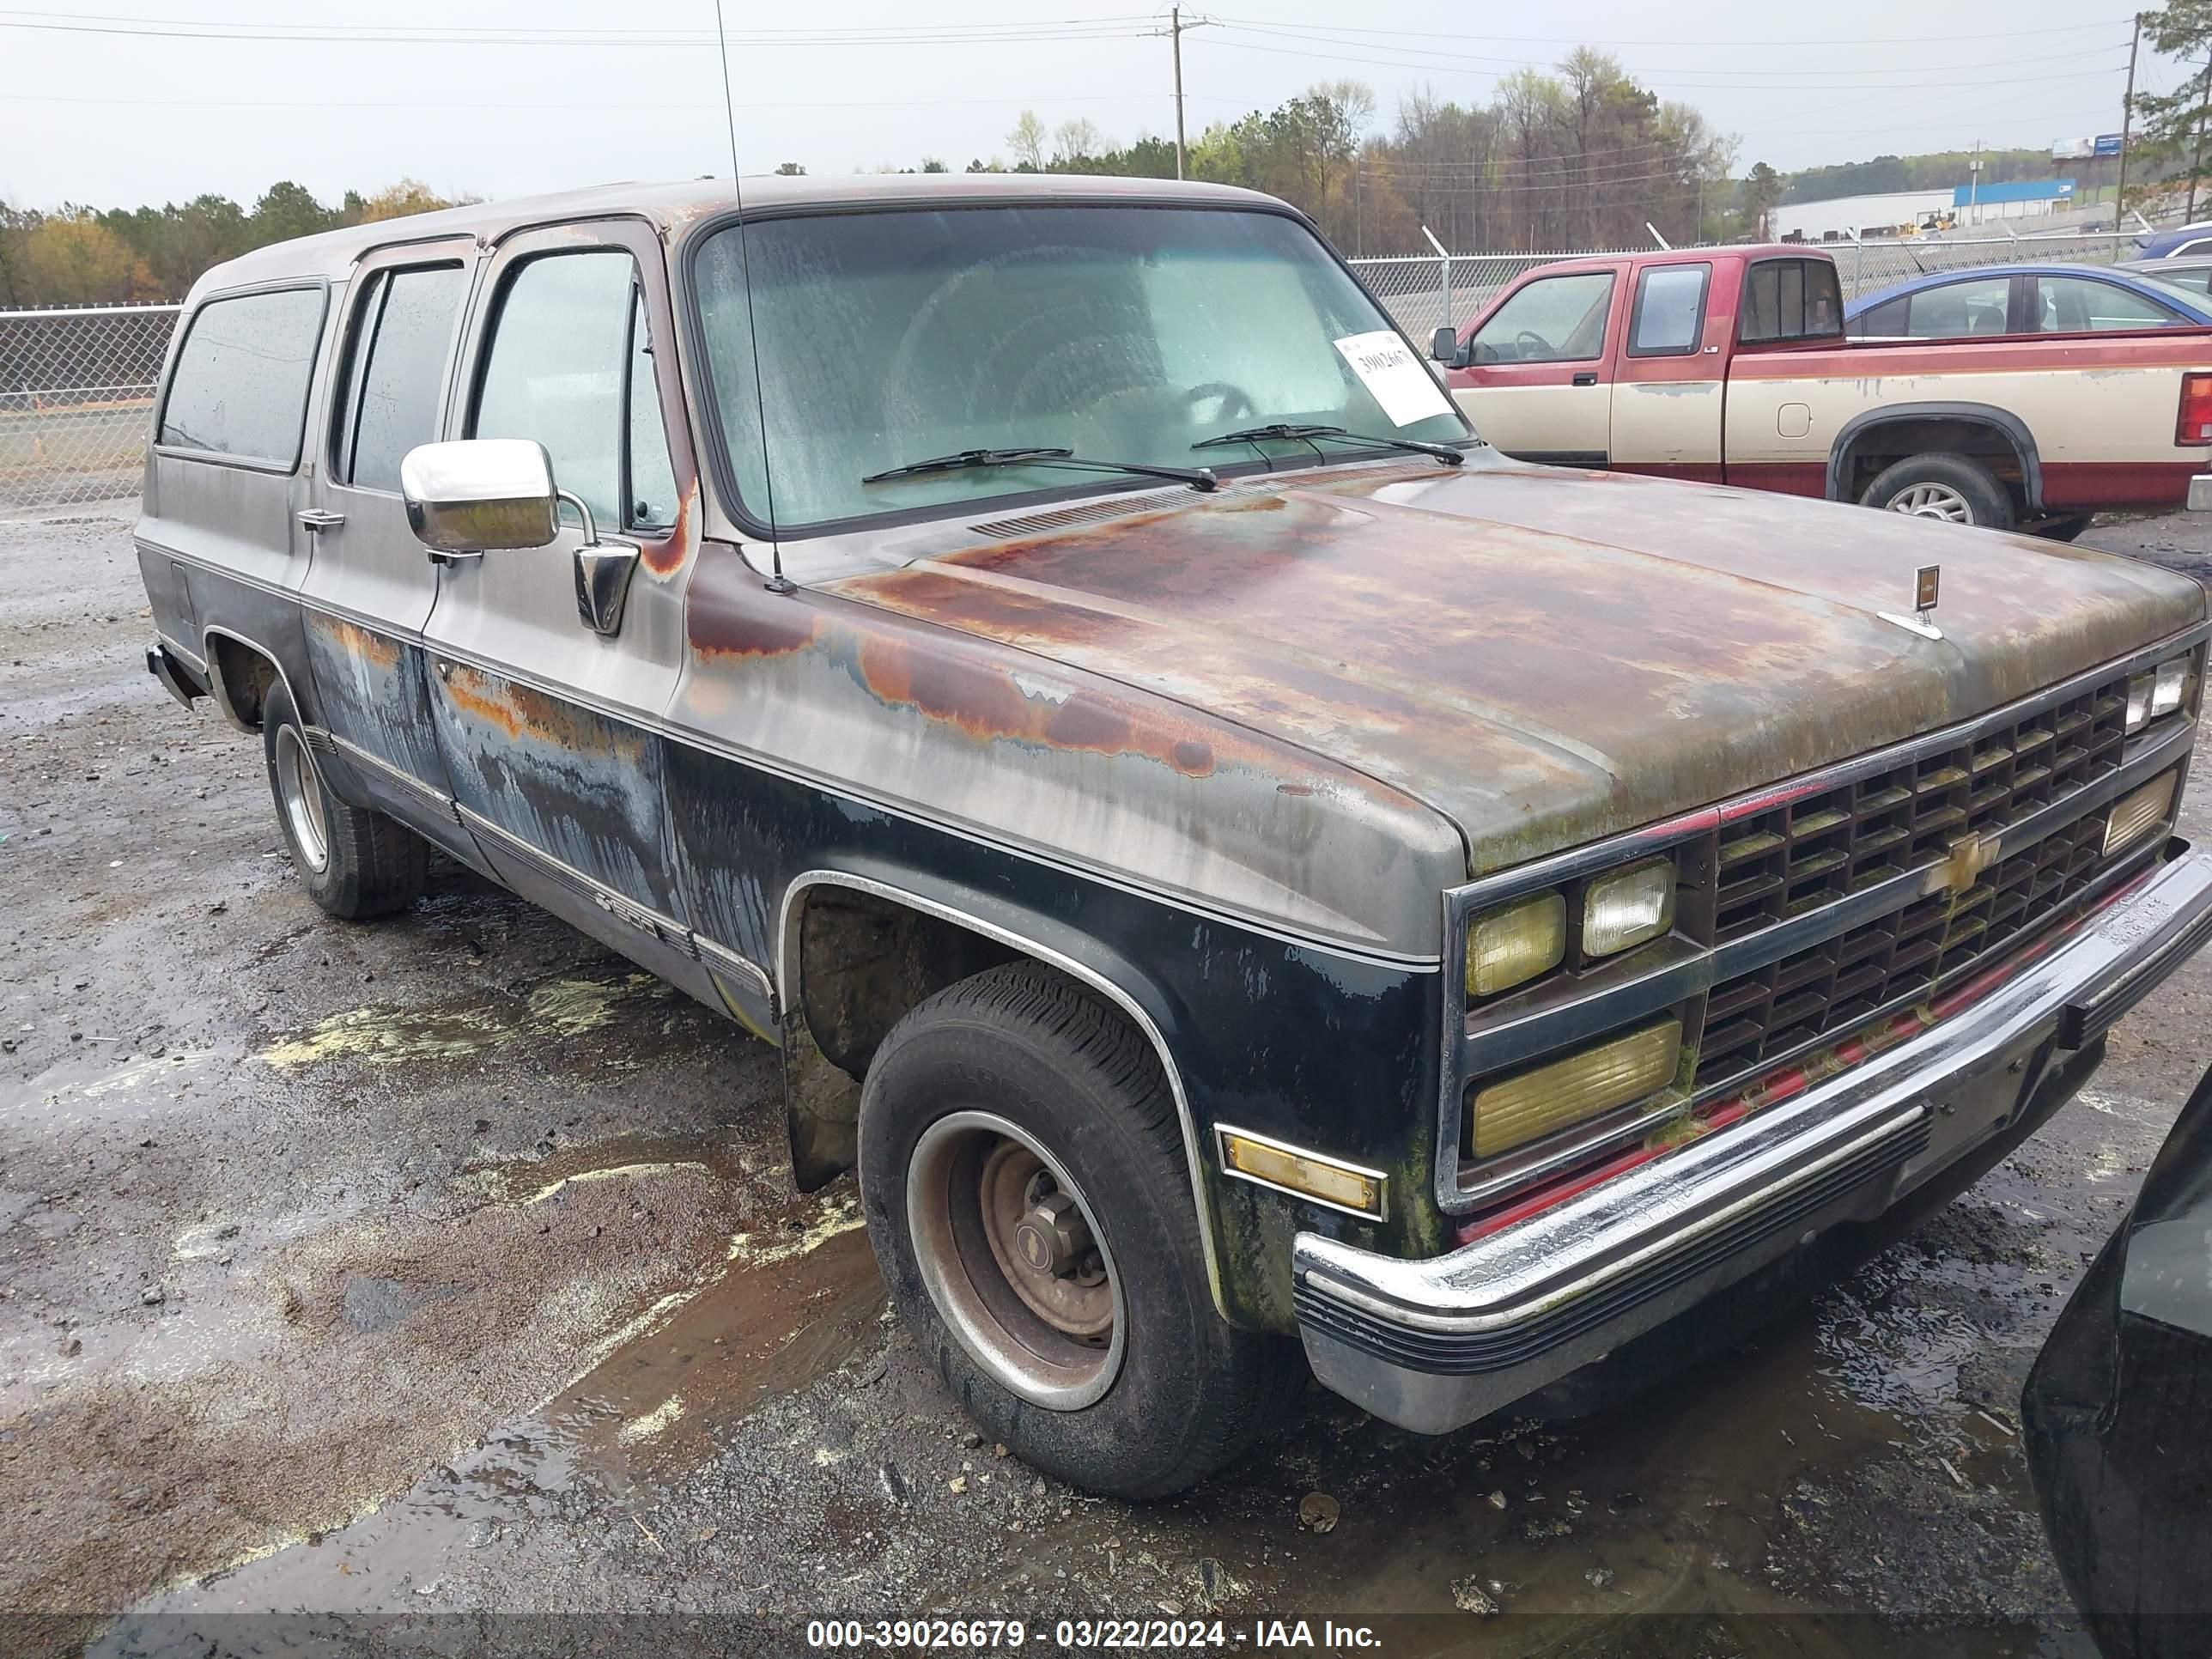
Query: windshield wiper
{"x": 1198, "y": 477}
{"x": 1306, "y": 434}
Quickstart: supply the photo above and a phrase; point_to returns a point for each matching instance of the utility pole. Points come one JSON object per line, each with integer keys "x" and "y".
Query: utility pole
{"x": 1974, "y": 185}
{"x": 1173, "y": 31}
{"x": 2127, "y": 119}
{"x": 2197, "y": 142}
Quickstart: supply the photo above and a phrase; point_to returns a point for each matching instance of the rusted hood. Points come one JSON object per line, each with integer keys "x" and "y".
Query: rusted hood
{"x": 1548, "y": 656}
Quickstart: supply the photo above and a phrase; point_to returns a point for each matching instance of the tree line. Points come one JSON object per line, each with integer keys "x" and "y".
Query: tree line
{"x": 77, "y": 255}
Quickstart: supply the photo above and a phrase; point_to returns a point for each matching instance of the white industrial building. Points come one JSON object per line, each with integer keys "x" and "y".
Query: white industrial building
{"x": 1884, "y": 215}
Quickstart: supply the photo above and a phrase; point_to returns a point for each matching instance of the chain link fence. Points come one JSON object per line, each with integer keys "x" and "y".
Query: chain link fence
{"x": 76, "y": 397}
{"x": 76, "y": 386}
{"x": 1422, "y": 290}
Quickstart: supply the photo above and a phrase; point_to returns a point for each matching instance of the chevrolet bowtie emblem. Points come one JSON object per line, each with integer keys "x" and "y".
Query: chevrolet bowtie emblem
{"x": 1926, "y": 584}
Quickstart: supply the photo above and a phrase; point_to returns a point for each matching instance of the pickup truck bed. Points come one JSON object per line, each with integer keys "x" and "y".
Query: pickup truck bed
{"x": 1661, "y": 364}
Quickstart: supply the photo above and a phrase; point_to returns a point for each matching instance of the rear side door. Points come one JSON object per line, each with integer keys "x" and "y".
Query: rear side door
{"x": 1670, "y": 386}
{"x": 371, "y": 585}
{"x": 549, "y": 727}
{"x": 1535, "y": 378}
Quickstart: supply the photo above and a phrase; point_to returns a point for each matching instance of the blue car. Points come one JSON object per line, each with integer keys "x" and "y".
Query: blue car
{"x": 2195, "y": 238}
{"x": 2024, "y": 298}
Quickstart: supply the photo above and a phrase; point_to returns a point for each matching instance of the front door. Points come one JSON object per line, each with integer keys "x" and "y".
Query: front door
{"x": 548, "y": 725}
{"x": 371, "y": 585}
{"x": 1536, "y": 380}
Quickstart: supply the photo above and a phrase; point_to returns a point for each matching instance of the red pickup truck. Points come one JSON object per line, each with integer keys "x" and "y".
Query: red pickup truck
{"x": 1731, "y": 365}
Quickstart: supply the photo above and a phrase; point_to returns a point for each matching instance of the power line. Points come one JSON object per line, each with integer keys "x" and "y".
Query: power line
{"x": 1286, "y": 33}
{"x": 1979, "y": 37}
{"x": 1950, "y": 84}
{"x": 920, "y": 34}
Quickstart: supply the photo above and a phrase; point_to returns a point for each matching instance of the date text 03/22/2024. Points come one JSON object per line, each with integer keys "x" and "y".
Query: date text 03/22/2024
{"x": 1157, "y": 1634}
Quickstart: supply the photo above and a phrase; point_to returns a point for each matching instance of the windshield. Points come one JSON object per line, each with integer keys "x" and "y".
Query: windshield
{"x": 1121, "y": 333}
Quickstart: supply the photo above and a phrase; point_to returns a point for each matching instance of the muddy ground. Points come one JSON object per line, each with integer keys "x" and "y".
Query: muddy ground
{"x": 443, "y": 1270}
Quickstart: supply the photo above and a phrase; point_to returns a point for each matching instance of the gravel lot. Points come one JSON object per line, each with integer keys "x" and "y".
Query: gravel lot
{"x": 445, "y": 1270}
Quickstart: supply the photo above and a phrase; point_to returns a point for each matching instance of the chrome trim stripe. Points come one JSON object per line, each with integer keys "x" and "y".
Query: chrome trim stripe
{"x": 397, "y": 776}
{"x": 624, "y": 908}
{"x": 787, "y": 971}
{"x": 1381, "y": 1211}
{"x": 660, "y": 725}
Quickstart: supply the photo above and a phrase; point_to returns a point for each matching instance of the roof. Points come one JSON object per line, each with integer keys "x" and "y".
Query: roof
{"x": 2165, "y": 295}
{"x": 332, "y": 253}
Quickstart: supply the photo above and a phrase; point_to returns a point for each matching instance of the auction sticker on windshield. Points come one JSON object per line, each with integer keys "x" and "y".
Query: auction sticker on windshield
{"x": 1398, "y": 379}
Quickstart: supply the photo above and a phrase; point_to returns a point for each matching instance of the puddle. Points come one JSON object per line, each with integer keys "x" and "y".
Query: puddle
{"x": 798, "y": 1298}
{"x": 387, "y": 1036}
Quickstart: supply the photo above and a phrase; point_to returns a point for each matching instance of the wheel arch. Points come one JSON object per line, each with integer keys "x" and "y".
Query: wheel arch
{"x": 1854, "y": 442}
{"x": 1018, "y": 932}
{"x": 240, "y": 672}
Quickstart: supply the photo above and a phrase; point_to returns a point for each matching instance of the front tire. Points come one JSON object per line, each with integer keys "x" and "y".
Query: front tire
{"x": 1955, "y": 489}
{"x": 1023, "y": 1174}
{"x": 354, "y": 862}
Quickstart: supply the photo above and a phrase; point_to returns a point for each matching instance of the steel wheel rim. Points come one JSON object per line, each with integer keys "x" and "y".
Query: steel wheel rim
{"x": 1932, "y": 500}
{"x": 1036, "y": 1326}
{"x": 302, "y": 791}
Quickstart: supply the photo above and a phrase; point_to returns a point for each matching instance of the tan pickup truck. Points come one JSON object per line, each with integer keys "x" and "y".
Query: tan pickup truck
{"x": 2071, "y": 395}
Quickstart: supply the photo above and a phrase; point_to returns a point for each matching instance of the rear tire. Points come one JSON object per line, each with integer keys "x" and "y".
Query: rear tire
{"x": 354, "y": 862}
{"x": 1023, "y": 1174}
{"x": 1953, "y": 488}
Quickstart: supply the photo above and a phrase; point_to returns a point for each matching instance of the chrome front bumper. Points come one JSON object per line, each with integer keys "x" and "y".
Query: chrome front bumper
{"x": 1432, "y": 1345}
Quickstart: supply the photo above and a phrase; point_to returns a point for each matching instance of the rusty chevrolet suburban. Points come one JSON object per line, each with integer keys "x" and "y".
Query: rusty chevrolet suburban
{"x": 1228, "y": 859}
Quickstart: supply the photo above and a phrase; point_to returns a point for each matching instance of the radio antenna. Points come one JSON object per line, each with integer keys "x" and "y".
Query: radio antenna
{"x": 777, "y": 581}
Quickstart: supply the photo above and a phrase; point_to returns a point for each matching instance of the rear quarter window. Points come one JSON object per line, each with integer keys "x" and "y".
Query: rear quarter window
{"x": 239, "y": 390}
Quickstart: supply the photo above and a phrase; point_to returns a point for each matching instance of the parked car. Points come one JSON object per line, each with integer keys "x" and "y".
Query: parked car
{"x": 2179, "y": 242}
{"x": 1230, "y": 860}
{"x": 2026, "y": 299}
{"x": 2030, "y": 397}
{"x": 2192, "y": 272}
{"x": 2115, "y": 1412}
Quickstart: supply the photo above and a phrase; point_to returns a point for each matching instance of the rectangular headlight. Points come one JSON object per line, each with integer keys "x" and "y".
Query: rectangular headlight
{"x": 2172, "y": 683}
{"x": 1628, "y": 907}
{"x": 1513, "y": 943}
{"x": 2137, "y": 813}
{"x": 2140, "y": 686}
{"x": 1532, "y": 1105}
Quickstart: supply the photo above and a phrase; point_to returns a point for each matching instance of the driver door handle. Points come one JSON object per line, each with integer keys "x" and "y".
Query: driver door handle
{"x": 320, "y": 519}
{"x": 1588, "y": 377}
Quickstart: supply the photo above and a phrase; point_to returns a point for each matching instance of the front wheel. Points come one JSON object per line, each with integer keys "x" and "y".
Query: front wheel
{"x": 1953, "y": 488}
{"x": 1023, "y": 1174}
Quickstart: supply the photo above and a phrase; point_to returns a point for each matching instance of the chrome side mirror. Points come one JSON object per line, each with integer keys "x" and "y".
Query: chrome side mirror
{"x": 478, "y": 496}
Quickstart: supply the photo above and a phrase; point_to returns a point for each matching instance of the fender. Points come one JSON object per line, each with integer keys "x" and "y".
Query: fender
{"x": 1073, "y": 952}
{"x": 222, "y": 692}
{"x": 2002, "y": 421}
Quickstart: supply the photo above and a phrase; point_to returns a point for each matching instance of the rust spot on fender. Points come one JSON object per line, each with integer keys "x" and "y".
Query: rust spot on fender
{"x": 523, "y": 712}
{"x": 356, "y": 641}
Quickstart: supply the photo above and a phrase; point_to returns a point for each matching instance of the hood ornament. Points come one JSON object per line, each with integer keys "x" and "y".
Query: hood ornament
{"x": 1927, "y": 583}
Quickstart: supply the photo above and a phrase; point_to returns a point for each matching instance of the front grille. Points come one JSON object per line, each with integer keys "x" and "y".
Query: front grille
{"x": 1813, "y": 851}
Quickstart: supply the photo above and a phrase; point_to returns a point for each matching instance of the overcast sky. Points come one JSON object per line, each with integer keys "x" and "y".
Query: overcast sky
{"x": 97, "y": 106}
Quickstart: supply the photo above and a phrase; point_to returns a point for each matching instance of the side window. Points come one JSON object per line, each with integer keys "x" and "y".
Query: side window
{"x": 2076, "y": 305}
{"x": 1669, "y": 313}
{"x": 569, "y": 364}
{"x": 403, "y": 329}
{"x": 1554, "y": 320}
{"x": 240, "y": 385}
{"x": 1883, "y": 322}
{"x": 1957, "y": 310}
{"x": 1790, "y": 299}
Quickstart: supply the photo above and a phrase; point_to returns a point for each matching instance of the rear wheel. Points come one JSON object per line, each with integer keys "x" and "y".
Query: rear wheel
{"x": 354, "y": 862}
{"x": 1954, "y": 488}
{"x": 1021, "y": 1170}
